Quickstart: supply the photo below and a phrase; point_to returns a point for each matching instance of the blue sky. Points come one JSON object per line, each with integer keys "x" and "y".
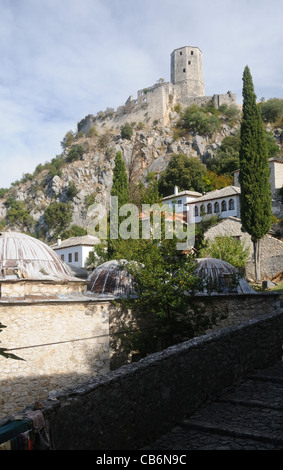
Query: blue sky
{"x": 64, "y": 59}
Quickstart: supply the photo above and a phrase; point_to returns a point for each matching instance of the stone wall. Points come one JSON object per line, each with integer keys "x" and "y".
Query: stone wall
{"x": 233, "y": 309}
{"x": 27, "y": 287}
{"x": 131, "y": 407}
{"x": 61, "y": 344}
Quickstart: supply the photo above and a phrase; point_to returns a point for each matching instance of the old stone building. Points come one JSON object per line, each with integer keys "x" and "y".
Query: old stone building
{"x": 59, "y": 332}
{"x": 155, "y": 103}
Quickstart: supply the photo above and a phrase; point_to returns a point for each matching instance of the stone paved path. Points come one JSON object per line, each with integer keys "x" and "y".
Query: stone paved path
{"x": 249, "y": 417}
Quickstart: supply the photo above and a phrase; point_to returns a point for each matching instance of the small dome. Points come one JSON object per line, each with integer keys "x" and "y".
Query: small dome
{"x": 25, "y": 257}
{"x": 111, "y": 279}
{"x": 221, "y": 277}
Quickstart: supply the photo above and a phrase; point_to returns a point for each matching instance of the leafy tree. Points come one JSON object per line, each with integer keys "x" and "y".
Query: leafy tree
{"x": 228, "y": 249}
{"x": 255, "y": 198}
{"x": 224, "y": 162}
{"x": 146, "y": 193}
{"x": 165, "y": 311}
{"x": 272, "y": 109}
{"x": 57, "y": 216}
{"x": 68, "y": 139}
{"x": 186, "y": 172}
{"x": 73, "y": 231}
{"x": 3, "y": 191}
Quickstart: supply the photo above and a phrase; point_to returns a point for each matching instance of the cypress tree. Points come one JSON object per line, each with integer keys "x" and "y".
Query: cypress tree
{"x": 120, "y": 185}
{"x": 255, "y": 195}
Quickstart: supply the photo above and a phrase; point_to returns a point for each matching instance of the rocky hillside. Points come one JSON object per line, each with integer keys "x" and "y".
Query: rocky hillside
{"x": 83, "y": 172}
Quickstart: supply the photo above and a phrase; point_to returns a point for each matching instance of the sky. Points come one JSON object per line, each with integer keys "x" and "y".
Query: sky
{"x": 64, "y": 59}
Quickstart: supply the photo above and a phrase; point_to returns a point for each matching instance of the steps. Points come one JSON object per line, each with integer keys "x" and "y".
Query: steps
{"x": 247, "y": 418}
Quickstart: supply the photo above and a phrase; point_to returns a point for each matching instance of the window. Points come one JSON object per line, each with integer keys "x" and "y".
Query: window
{"x": 192, "y": 52}
{"x": 184, "y": 70}
{"x": 181, "y": 53}
{"x": 231, "y": 205}
{"x": 209, "y": 208}
{"x": 180, "y": 202}
{"x": 76, "y": 256}
{"x": 196, "y": 211}
{"x": 62, "y": 257}
{"x": 202, "y": 209}
{"x": 216, "y": 207}
{"x": 223, "y": 206}
{"x": 70, "y": 257}
{"x": 189, "y": 63}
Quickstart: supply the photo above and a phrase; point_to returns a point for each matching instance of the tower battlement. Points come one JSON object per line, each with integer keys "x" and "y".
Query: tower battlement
{"x": 187, "y": 71}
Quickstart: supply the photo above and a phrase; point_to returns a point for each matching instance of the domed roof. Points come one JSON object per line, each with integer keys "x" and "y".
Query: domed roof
{"x": 221, "y": 277}
{"x": 25, "y": 257}
{"x": 111, "y": 279}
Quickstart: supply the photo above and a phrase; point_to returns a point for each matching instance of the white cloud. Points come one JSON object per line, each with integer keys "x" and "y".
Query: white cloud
{"x": 64, "y": 59}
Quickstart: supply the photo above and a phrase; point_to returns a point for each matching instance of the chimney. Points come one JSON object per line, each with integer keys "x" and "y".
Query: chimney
{"x": 175, "y": 190}
{"x": 59, "y": 241}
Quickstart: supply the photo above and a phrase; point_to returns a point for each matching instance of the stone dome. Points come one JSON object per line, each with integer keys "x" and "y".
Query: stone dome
{"x": 111, "y": 279}
{"x": 221, "y": 277}
{"x": 25, "y": 257}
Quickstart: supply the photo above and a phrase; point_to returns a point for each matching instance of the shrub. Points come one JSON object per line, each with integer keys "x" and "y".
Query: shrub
{"x": 75, "y": 153}
{"x": 126, "y": 131}
{"x": 200, "y": 122}
{"x": 72, "y": 190}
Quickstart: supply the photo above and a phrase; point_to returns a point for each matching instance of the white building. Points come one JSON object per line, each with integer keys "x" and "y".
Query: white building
{"x": 75, "y": 250}
{"x": 223, "y": 202}
{"x": 179, "y": 200}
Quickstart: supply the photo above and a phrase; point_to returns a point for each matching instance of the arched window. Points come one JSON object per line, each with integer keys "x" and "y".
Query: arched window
{"x": 196, "y": 211}
{"x": 209, "y": 208}
{"x": 202, "y": 209}
{"x": 216, "y": 207}
{"x": 231, "y": 204}
{"x": 223, "y": 206}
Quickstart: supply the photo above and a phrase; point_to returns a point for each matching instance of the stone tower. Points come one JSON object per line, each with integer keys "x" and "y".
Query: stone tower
{"x": 187, "y": 71}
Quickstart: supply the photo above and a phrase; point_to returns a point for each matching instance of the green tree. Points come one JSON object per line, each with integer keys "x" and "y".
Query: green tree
{"x": 68, "y": 139}
{"x": 199, "y": 121}
{"x": 165, "y": 310}
{"x": 228, "y": 249}
{"x": 18, "y": 215}
{"x": 73, "y": 231}
{"x": 272, "y": 109}
{"x": 120, "y": 185}
{"x": 255, "y": 198}
{"x": 185, "y": 172}
{"x": 57, "y": 216}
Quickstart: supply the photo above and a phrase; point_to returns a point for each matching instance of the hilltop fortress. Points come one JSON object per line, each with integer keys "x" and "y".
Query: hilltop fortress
{"x": 155, "y": 103}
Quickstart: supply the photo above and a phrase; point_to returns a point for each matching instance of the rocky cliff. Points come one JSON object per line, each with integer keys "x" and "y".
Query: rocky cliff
{"x": 82, "y": 180}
